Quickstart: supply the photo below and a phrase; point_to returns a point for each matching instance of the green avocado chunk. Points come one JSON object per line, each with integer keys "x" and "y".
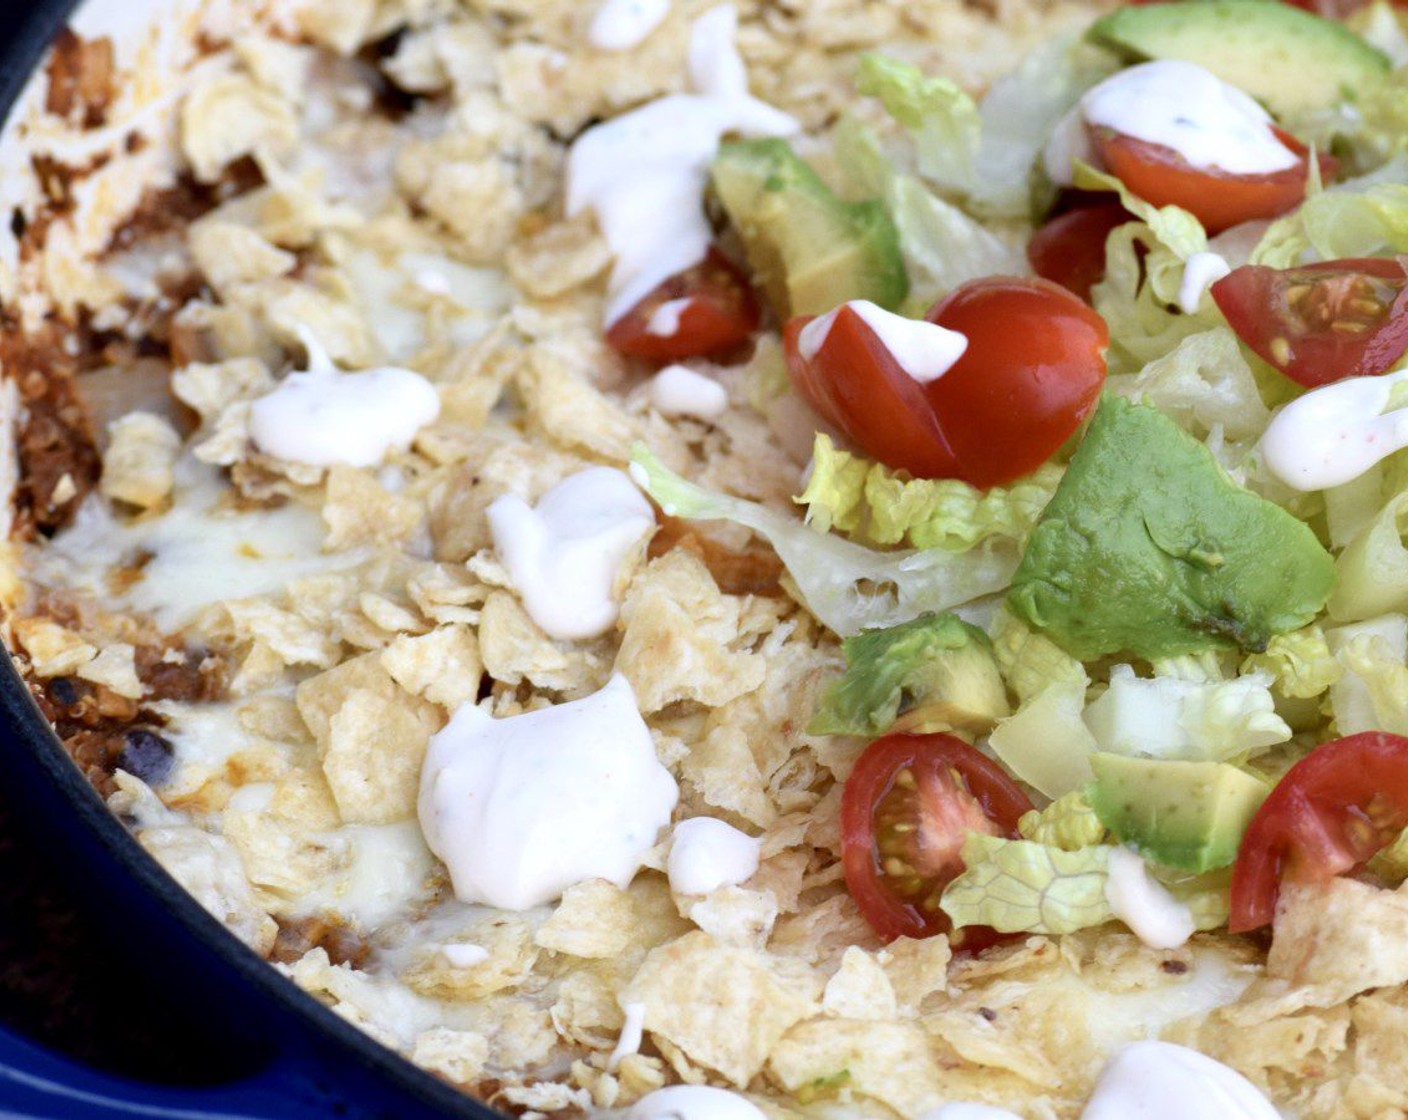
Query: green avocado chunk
{"x": 1185, "y": 815}
{"x": 809, "y": 250}
{"x": 1148, "y": 548}
{"x": 1287, "y": 58}
{"x": 935, "y": 673}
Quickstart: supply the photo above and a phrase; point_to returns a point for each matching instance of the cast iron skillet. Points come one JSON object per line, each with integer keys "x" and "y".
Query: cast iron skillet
{"x": 299, "y": 1060}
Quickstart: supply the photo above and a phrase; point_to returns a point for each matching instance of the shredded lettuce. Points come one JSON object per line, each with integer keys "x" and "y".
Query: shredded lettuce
{"x": 1372, "y": 572}
{"x": 1045, "y": 743}
{"x": 1358, "y": 217}
{"x": 1300, "y": 663}
{"x": 849, "y": 588}
{"x": 1019, "y": 886}
{"x": 1164, "y": 717}
{"x": 1136, "y": 298}
{"x": 1372, "y": 693}
{"x": 1172, "y": 226}
{"x": 874, "y": 505}
{"x": 942, "y": 246}
{"x": 1019, "y": 112}
{"x": 1068, "y": 823}
{"x": 1030, "y": 661}
{"x": 942, "y": 120}
{"x": 1205, "y": 384}
{"x": 937, "y": 670}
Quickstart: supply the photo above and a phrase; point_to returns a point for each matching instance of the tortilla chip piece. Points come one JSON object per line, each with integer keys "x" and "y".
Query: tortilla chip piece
{"x": 233, "y": 116}
{"x": 564, "y": 406}
{"x": 507, "y": 940}
{"x": 358, "y": 510}
{"x": 561, "y": 257}
{"x": 678, "y": 635}
{"x": 229, "y": 254}
{"x": 1341, "y": 938}
{"x": 890, "y": 1062}
{"x": 458, "y": 1056}
{"x": 138, "y": 464}
{"x": 724, "y": 1007}
{"x": 443, "y": 666}
{"x": 586, "y": 1012}
{"x": 54, "y": 650}
{"x": 736, "y": 916}
{"x": 860, "y": 989}
{"x": 515, "y": 649}
{"x": 371, "y": 736}
{"x": 115, "y": 668}
{"x": 594, "y": 919}
{"x": 915, "y": 968}
{"x": 211, "y": 388}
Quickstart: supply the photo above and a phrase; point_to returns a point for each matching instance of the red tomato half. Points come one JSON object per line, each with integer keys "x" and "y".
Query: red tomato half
{"x": 1070, "y": 249}
{"x": 905, "y": 811}
{"x": 1321, "y": 322}
{"x": 1333, "y": 810}
{"x": 1031, "y": 374}
{"x": 720, "y": 314}
{"x": 1218, "y": 199}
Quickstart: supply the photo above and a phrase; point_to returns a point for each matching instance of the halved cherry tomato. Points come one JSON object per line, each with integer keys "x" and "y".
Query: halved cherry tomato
{"x": 1070, "y": 249}
{"x": 905, "y": 811}
{"x": 1218, "y": 199}
{"x": 1031, "y": 374}
{"x": 719, "y": 314}
{"x": 1332, "y": 811}
{"x": 1321, "y": 322}
{"x": 859, "y": 388}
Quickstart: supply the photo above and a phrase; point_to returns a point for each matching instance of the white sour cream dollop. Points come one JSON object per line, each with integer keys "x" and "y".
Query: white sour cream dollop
{"x": 565, "y": 553}
{"x": 1178, "y": 105}
{"x": 924, "y": 351}
{"x": 1161, "y": 1081}
{"x": 324, "y": 417}
{"x": 644, "y": 172}
{"x": 1145, "y": 906}
{"x": 708, "y": 853}
{"x": 680, "y": 391}
{"x": 632, "y": 1031}
{"x": 620, "y": 25}
{"x": 522, "y": 808}
{"x": 1200, "y": 272}
{"x": 694, "y": 1102}
{"x": 1335, "y": 433}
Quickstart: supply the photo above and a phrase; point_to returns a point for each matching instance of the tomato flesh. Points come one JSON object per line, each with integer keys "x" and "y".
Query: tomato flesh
{"x": 1218, "y": 199}
{"x": 1030, "y": 376}
{"x": 1070, "y": 249}
{"x": 1322, "y": 322}
{"x": 716, "y": 311}
{"x": 905, "y": 811}
{"x": 1332, "y": 811}
{"x": 856, "y": 385}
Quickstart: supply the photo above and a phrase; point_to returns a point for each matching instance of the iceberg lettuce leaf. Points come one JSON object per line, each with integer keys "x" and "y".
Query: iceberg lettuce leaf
{"x": 940, "y": 117}
{"x": 874, "y": 505}
{"x": 848, "y": 587}
{"x": 1020, "y": 886}
{"x": 1068, "y": 823}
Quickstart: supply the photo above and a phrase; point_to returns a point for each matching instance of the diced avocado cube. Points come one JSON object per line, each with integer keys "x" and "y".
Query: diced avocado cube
{"x": 1287, "y": 58}
{"x": 808, "y": 249}
{"x": 1185, "y": 815}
